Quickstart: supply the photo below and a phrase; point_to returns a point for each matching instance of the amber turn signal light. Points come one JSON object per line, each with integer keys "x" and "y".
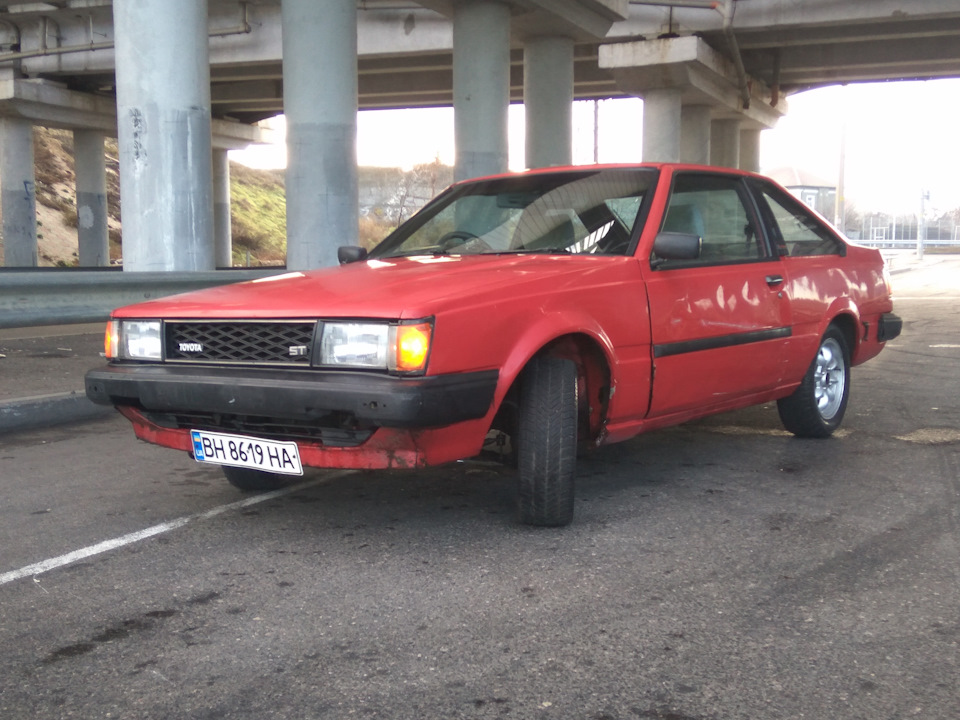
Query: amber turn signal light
{"x": 111, "y": 339}
{"x": 413, "y": 346}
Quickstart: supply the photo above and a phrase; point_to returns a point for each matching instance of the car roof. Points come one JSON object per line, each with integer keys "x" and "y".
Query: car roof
{"x": 560, "y": 170}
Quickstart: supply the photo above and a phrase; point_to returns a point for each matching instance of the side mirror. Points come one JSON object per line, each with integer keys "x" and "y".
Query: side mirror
{"x": 350, "y": 253}
{"x": 675, "y": 246}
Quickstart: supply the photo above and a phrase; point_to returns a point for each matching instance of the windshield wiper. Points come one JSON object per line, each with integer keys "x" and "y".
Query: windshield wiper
{"x": 436, "y": 252}
{"x": 536, "y": 251}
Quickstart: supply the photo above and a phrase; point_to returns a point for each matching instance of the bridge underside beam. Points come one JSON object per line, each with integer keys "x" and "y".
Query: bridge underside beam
{"x": 788, "y": 45}
{"x": 51, "y": 105}
{"x": 690, "y": 65}
{"x": 910, "y": 58}
{"x": 671, "y": 74}
{"x": 400, "y": 82}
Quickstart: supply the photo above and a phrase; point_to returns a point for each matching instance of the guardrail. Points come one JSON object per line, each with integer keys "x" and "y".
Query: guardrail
{"x": 908, "y": 243}
{"x": 32, "y": 297}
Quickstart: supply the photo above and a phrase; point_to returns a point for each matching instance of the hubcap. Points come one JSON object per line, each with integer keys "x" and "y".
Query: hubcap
{"x": 829, "y": 379}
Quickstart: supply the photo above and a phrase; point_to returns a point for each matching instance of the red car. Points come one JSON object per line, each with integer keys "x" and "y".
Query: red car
{"x": 535, "y": 313}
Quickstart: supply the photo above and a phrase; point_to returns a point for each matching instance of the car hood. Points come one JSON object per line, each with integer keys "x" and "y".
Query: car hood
{"x": 394, "y": 288}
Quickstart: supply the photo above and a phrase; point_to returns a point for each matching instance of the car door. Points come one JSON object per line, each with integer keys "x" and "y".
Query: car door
{"x": 719, "y": 323}
{"x": 813, "y": 275}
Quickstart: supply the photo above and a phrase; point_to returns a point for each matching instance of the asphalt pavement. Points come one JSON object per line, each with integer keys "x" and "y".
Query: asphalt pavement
{"x": 41, "y": 375}
{"x": 719, "y": 570}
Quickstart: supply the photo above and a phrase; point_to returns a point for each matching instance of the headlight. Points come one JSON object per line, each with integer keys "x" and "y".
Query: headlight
{"x": 354, "y": 345}
{"x": 133, "y": 340}
{"x": 401, "y": 348}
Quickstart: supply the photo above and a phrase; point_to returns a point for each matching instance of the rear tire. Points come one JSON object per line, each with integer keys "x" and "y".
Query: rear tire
{"x": 816, "y": 408}
{"x": 250, "y": 480}
{"x": 547, "y": 452}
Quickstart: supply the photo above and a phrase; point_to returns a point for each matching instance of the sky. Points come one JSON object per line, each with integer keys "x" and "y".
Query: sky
{"x": 902, "y": 139}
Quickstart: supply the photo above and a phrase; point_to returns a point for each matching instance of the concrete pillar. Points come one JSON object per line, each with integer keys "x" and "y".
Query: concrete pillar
{"x": 17, "y": 193}
{"x": 695, "y": 134}
{"x": 661, "y": 125}
{"x": 750, "y": 149}
{"x": 222, "y": 237}
{"x": 163, "y": 123}
{"x": 91, "y": 182}
{"x": 481, "y": 86}
{"x": 725, "y": 143}
{"x": 320, "y": 103}
{"x": 548, "y": 101}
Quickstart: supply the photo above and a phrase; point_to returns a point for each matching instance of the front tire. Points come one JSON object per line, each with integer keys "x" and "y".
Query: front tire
{"x": 816, "y": 408}
{"x": 250, "y": 480}
{"x": 547, "y": 432}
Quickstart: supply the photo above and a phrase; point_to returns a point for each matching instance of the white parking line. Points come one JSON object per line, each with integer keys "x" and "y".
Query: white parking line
{"x": 107, "y": 545}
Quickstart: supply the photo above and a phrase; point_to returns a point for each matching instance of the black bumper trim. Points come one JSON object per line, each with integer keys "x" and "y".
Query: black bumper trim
{"x": 382, "y": 400}
{"x": 889, "y": 327}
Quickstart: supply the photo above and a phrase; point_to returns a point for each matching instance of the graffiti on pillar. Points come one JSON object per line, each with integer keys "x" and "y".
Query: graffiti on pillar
{"x": 85, "y": 217}
{"x": 139, "y": 130}
{"x": 28, "y": 190}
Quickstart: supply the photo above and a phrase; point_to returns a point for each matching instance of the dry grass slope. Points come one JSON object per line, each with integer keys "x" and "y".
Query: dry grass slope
{"x": 258, "y": 203}
{"x": 258, "y": 208}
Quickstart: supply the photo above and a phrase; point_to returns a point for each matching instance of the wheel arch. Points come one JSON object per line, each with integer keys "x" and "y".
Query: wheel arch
{"x": 592, "y": 356}
{"x": 848, "y": 324}
{"x": 844, "y": 314}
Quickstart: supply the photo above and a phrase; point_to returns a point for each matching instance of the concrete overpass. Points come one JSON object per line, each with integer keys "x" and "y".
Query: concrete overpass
{"x": 180, "y": 81}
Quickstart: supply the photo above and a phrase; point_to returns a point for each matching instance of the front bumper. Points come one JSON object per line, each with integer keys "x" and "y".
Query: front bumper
{"x": 305, "y": 395}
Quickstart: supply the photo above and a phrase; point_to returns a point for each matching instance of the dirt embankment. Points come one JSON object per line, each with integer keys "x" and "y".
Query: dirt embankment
{"x": 258, "y": 203}
{"x": 56, "y": 198}
{"x": 258, "y": 222}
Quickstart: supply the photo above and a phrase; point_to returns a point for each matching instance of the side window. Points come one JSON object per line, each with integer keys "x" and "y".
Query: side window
{"x": 801, "y": 232}
{"x": 712, "y": 207}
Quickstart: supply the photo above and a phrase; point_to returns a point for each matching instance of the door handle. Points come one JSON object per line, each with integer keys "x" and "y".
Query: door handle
{"x": 774, "y": 280}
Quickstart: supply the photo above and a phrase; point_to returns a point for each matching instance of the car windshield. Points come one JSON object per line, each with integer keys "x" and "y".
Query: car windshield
{"x": 577, "y": 212}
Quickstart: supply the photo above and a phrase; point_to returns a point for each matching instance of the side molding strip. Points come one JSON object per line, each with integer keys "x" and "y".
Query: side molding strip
{"x": 721, "y": 341}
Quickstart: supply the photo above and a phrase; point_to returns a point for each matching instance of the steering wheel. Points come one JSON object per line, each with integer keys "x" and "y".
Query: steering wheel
{"x": 454, "y": 238}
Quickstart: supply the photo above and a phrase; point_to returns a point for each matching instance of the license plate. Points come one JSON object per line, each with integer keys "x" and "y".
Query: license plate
{"x": 248, "y": 452}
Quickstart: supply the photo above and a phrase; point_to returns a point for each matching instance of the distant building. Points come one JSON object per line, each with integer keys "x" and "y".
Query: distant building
{"x": 813, "y": 191}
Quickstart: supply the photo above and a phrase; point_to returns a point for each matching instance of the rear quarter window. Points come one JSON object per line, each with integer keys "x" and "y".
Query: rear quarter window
{"x": 797, "y": 231}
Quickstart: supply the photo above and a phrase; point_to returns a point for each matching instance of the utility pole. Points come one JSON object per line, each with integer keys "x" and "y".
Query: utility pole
{"x": 596, "y": 131}
{"x": 921, "y": 227}
{"x": 840, "y": 209}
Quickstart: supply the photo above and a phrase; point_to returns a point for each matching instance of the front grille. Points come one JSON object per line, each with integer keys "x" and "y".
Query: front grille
{"x": 240, "y": 342}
